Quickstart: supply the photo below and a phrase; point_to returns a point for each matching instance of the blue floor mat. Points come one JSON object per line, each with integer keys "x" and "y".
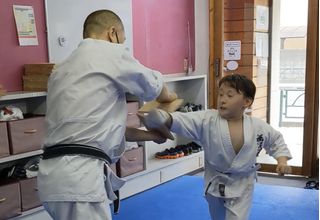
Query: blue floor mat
{"x": 182, "y": 199}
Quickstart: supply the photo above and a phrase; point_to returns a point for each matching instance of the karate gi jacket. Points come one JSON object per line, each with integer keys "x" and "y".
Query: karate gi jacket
{"x": 86, "y": 104}
{"x": 222, "y": 165}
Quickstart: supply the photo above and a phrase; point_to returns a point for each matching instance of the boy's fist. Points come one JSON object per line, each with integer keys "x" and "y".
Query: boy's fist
{"x": 283, "y": 169}
{"x": 156, "y": 120}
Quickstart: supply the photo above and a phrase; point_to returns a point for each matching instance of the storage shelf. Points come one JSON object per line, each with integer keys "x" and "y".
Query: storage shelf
{"x": 157, "y": 164}
{"x": 20, "y": 156}
{"x": 21, "y": 95}
{"x": 29, "y": 212}
{"x": 181, "y": 77}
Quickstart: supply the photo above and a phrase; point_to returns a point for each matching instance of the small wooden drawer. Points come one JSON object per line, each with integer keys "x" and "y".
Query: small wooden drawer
{"x": 132, "y": 118}
{"x": 29, "y": 194}
{"x": 131, "y": 162}
{"x": 10, "y": 203}
{"x": 26, "y": 135}
{"x": 4, "y": 142}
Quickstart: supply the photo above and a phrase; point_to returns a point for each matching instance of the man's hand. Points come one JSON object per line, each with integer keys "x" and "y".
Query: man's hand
{"x": 157, "y": 137}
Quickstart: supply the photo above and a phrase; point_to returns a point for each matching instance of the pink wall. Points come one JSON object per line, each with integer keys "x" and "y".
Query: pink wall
{"x": 160, "y": 33}
{"x": 160, "y": 37}
{"x": 13, "y": 56}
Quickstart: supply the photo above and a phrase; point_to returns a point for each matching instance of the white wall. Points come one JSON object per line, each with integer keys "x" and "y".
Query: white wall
{"x": 65, "y": 19}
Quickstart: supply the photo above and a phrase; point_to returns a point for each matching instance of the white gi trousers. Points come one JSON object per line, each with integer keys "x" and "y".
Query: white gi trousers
{"x": 78, "y": 210}
{"x": 231, "y": 208}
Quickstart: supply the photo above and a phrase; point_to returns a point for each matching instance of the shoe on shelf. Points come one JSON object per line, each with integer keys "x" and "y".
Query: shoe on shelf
{"x": 179, "y": 151}
{"x": 167, "y": 154}
{"x": 195, "y": 147}
{"x": 190, "y": 107}
{"x": 185, "y": 149}
{"x": 163, "y": 154}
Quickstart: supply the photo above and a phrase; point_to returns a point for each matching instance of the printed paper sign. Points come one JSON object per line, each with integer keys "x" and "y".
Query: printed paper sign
{"x": 262, "y": 18}
{"x": 26, "y": 26}
{"x": 232, "y": 50}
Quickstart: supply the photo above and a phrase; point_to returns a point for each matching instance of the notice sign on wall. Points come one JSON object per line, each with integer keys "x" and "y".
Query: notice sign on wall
{"x": 232, "y": 50}
{"x": 26, "y": 26}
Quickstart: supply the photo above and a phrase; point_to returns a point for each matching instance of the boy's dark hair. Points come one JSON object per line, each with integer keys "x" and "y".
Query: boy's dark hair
{"x": 241, "y": 83}
{"x": 99, "y": 21}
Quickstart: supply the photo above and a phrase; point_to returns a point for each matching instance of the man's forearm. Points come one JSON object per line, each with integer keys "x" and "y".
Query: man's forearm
{"x": 135, "y": 134}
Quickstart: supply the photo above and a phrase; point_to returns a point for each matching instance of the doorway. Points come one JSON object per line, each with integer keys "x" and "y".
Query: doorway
{"x": 287, "y": 75}
{"x": 287, "y": 78}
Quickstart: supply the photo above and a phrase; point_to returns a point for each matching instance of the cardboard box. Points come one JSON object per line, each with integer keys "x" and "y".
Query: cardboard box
{"x": 38, "y": 69}
{"x": 35, "y": 76}
{"x": 4, "y": 141}
{"x": 10, "y": 200}
{"x": 29, "y": 194}
{"x": 132, "y": 118}
{"x": 131, "y": 162}
{"x": 26, "y": 134}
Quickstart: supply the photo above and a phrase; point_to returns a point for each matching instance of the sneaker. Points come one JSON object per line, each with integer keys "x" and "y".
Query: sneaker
{"x": 179, "y": 151}
{"x": 167, "y": 154}
{"x": 311, "y": 184}
{"x": 195, "y": 147}
{"x": 185, "y": 149}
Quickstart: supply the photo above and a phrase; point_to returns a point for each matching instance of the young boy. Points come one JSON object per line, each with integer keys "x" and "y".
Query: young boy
{"x": 231, "y": 142}
{"x": 86, "y": 120}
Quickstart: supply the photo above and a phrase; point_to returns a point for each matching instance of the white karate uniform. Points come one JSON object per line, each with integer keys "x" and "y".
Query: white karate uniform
{"x": 86, "y": 104}
{"x": 235, "y": 173}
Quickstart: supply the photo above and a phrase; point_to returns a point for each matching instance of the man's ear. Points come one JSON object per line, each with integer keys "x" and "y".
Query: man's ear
{"x": 112, "y": 34}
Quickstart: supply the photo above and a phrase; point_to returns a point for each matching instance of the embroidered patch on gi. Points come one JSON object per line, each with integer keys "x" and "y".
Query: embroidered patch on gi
{"x": 260, "y": 141}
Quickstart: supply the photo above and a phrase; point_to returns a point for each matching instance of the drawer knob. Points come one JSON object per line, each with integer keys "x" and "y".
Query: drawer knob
{"x": 132, "y": 159}
{"x": 30, "y": 131}
{"x": 3, "y": 199}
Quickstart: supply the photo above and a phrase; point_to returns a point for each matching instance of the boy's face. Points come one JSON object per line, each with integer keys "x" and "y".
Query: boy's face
{"x": 231, "y": 104}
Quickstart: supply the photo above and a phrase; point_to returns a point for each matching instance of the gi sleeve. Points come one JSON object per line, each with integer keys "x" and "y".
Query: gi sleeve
{"x": 275, "y": 145}
{"x": 189, "y": 124}
{"x": 138, "y": 80}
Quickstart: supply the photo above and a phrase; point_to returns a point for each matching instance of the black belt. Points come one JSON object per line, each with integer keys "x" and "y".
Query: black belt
{"x": 80, "y": 149}
{"x": 74, "y": 149}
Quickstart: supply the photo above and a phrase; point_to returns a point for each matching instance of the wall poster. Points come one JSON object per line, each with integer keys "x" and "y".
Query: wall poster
{"x": 26, "y": 26}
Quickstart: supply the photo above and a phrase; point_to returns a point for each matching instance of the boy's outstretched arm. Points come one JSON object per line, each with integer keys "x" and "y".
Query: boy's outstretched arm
{"x": 158, "y": 120}
{"x": 135, "y": 134}
{"x": 283, "y": 167}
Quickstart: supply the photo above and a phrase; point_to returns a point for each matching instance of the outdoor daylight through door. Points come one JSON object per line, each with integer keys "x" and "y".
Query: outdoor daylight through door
{"x": 287, "y": 91}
